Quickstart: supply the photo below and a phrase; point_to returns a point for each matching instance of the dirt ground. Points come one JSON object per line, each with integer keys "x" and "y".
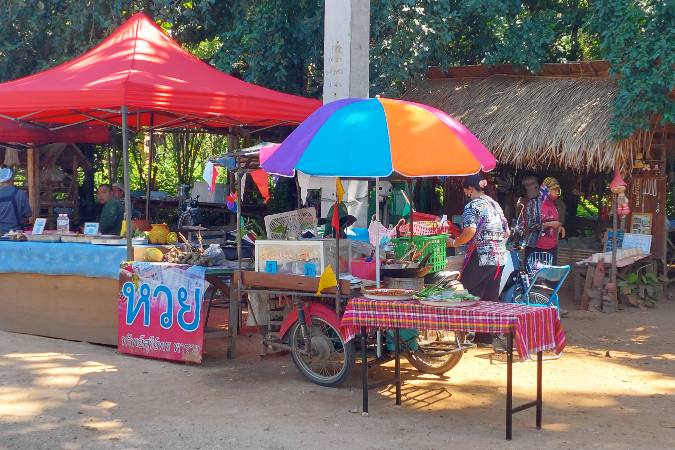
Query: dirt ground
{"x": 613, "y": 389}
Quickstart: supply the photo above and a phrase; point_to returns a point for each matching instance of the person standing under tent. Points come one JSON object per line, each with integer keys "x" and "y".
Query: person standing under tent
{"x": 530, "y": 208}
{"x": 112, "y": 213}
{"x": 14, "y": 206}
{"x": 543, "y": 221}
{"x": 485, "y": 230}
{"x": 118, "y": 191}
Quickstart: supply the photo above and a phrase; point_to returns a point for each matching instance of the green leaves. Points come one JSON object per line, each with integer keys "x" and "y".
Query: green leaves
{"x": 637, "y": 39}
{"x": 279, "y": 44}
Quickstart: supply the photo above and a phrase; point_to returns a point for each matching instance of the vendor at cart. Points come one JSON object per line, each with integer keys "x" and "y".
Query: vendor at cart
{"x": 14, "y": 206}
{"x": 485, "y": 230}
{"x": 112, "y": 214}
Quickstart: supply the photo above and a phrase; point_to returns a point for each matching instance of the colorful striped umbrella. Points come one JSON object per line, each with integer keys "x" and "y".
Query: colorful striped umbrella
{"x": 376, "y": 137}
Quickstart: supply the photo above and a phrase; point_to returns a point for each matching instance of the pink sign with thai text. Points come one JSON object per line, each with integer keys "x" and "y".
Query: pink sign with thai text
{"x": 160, "y": 311}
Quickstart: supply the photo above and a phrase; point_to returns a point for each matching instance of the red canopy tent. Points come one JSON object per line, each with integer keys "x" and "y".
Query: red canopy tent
{"x": 140, "y": 67}
{"x": 13, "y": 132}
{"x": 139, "y": 77}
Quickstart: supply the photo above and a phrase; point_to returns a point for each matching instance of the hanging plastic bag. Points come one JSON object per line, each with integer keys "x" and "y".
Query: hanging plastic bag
{"x": 376, "y": 229}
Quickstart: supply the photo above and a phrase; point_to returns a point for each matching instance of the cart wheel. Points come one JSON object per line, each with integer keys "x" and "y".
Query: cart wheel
{"x": 331, "y": 360}
{"x": 439, "y": 351}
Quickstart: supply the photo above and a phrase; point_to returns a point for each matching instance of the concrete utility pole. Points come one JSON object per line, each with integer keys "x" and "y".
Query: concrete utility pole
{"x": 345, "y": 74}
{"x": 345, "y": 47}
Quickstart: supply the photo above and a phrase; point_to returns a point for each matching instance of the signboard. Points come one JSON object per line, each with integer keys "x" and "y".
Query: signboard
{"x": 39, "y": 226}
{"x": 160, "y": 311}
{"x": 91, "y": 228}
{"x": 610, "y": 242}
{"x": 641, "y": 241}
{"x": 641, "y": 223}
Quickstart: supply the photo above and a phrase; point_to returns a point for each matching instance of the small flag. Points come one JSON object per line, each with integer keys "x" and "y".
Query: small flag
{"x": 262, "y": 182}
{"x": 327, "y": 279}
{"x": 339, "y": 190}
{"x": 231, "y": 202}
{"x": 335, "y": 221}
{"x": 210, "y": 175}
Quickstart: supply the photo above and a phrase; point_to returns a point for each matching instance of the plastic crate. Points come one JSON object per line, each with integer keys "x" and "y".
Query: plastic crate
{"x": 437, "y": 246}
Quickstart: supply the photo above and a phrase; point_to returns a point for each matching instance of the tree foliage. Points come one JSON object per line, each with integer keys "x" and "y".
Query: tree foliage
{"x": 37, "y": 34}
{"x": 637, "y": 38}
{"x": 279, "y": 43}
{"x": 276, "y": 43}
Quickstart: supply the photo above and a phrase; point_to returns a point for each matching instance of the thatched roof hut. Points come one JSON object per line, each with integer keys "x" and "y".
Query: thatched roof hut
{"x": 557, "y": 118}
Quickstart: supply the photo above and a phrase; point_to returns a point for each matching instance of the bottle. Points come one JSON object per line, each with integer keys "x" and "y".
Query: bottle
{"x": 63, "y": 223}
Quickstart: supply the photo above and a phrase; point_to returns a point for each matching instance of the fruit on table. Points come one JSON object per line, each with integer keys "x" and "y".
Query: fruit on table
{"x": 171, "y": 238}
{"x": 153, "y": 255}
{"x": 158, "y": 233}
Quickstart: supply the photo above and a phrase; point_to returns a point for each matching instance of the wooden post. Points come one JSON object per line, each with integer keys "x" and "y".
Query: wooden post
{"x": 612, "y": 290}
{"x": 33, "y": 178}
{"x": 151, "y": 157}
{"x": 127, "y": 193}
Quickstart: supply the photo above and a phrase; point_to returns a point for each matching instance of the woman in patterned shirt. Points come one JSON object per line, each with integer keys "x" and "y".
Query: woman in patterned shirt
{"x": 485, "y": 229}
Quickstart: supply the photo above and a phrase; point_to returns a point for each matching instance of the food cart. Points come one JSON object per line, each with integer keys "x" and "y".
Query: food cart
{"x": 331, "y": 143}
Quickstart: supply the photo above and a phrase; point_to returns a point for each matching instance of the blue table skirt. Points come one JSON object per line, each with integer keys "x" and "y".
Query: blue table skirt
{"x": 88, "y": 260}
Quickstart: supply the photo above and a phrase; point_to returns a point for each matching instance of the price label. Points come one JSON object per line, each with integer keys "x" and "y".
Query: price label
{"x": 91, "y": 228}
{"x": 39, "y": 225}
{"x": 310, "y": 269}
{"x": 271, "y": 266}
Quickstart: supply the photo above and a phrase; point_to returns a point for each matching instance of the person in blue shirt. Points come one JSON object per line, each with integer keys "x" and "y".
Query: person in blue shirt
{"x": 14, "y": 206}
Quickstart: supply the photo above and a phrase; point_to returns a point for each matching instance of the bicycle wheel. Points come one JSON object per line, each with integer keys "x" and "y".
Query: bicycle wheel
{"x": 438, "y": 351}
{"x": 535, "y": 298}
{"x": 331, "y": 359}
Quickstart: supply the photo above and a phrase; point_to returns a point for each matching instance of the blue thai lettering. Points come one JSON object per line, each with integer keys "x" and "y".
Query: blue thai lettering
{"x": 166, "y": 318}
{"x": 185, "y": 307}
{"x": 133, "y": 307}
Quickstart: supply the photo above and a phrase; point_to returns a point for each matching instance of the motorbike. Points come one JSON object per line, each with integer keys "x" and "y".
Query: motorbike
{"x": 189, "y": 214}
{"x": 311, "y": 332}
{"x": 514, "y": 279}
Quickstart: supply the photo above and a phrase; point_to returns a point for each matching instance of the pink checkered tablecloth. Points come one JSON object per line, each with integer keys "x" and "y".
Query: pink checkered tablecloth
{"x": 535, "y": 328}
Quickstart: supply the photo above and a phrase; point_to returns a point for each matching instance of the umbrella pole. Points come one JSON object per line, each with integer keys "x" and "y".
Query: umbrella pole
{"x": 377, "y": 256}
{"x": 127, "y": 189}
{"x": 412, "y": 209}
{"x": 336, "y": 210}
{"x": 377, "y": 233}
{"x": 237, "y": 182}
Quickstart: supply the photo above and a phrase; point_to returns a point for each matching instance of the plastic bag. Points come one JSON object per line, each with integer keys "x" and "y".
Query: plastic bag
{"x": 373, "y": 230}
{"x": 215, "y": 254}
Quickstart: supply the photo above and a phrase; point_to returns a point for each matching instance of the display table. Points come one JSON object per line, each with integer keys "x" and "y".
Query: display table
{"x": 534, "y": 330}
{"x": 61, "y": 290}
{"x": 584, "y": 271}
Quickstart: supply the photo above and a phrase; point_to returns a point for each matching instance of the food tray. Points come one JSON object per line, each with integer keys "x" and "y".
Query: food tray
{"x": 76, "y": 238}
{"x": 389, "y": 294}
{"x": 44, "y": 237}
{"x": 108, "y": 241}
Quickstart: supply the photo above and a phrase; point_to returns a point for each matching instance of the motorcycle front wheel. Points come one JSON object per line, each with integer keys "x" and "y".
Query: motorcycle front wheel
{"x": 330, "y": 360}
